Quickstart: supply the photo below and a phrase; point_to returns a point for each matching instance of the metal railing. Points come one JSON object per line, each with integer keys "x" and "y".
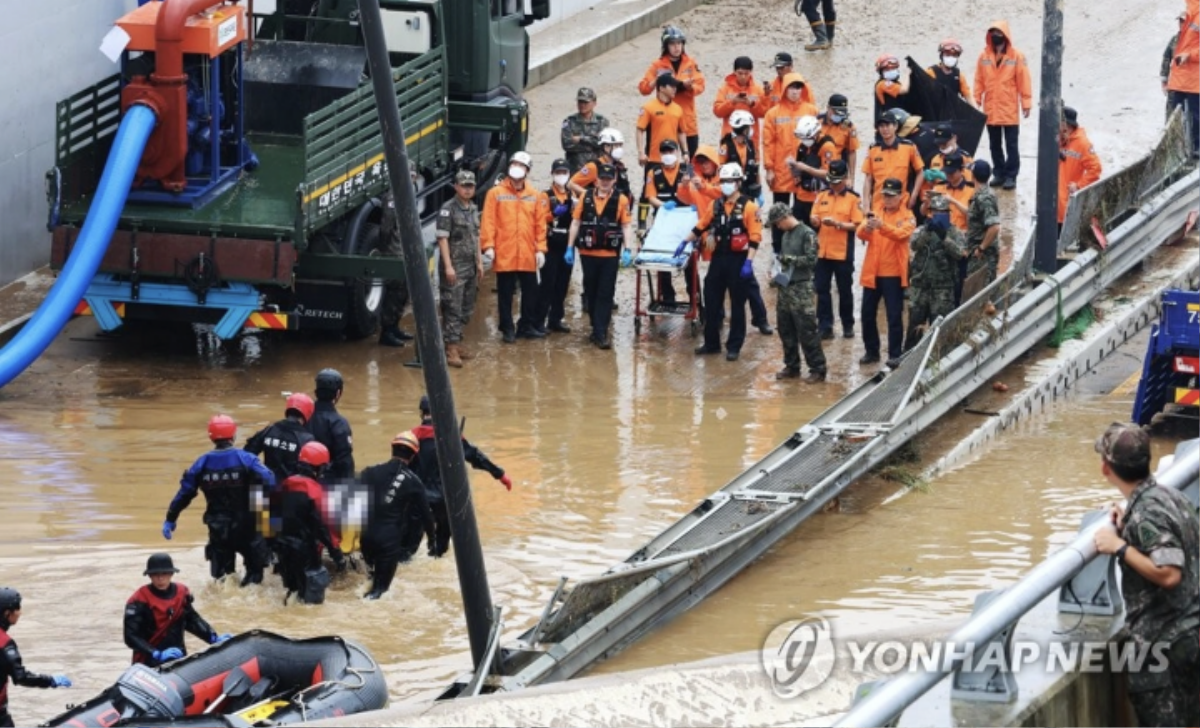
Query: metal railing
{"x": 888, "y": 700}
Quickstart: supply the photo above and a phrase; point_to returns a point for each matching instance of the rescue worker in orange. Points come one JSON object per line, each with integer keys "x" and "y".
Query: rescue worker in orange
{"x": 603, "y": 231}
{"x": 836, "y": 216}
{"x": 734, "y": 233}
{"x": 885, "y": 270}
{"x": 512, "y": 238}
{"x": 947, "y": 142}
{"x": 659, "y": 120}
{"x": 702, "y": 186}
{"x": 158, "y": 614}
{"x": 836, "y": 124}
{"x": 1003, "y": 92}
{"x": 662, "y": 193}
{"x": 556, "y": 275}
{"x": 891, "y": 85}
{"x": 947, "y": 73}
{"x": 676, "y": 62}
{"x": 775, "y": 87}
{"x": 1078, "y": 165}
{"x": 1183, "y": 82}
{"x": 741, "y": 92}
{"x": 738, "y": 147}
{"x": 892, "y": 156}
{"x": 810, "y": 166}
{"x": 779, "y": 142}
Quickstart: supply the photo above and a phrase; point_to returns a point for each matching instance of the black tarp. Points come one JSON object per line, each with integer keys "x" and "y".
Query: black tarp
{"x": 935, "y": 105}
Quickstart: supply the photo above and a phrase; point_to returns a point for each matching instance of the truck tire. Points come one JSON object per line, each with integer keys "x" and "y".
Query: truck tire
{"x": 364, "y": 295}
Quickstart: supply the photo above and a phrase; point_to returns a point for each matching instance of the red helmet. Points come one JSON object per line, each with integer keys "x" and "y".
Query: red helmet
{"x": 886, "y": 61}
{"x": 221, "y": 427}
{"x": 300, "y": 402}
{"x": 951, "y": 46}
{"x": 314, "y": 454}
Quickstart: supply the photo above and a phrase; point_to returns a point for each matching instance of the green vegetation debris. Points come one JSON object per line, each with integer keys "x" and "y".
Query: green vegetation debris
{"x": 1073, "y": 327}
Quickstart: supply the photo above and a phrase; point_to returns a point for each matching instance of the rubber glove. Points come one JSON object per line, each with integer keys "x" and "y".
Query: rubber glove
{"x": 217, "y": 639}
{"x": 934, "y": 175}
{"x": 680, "y": 250}
{"x": 60, "y": 681}
{"x": 561, "y": 209}
{"x": 541, "y": 259}
{"x": 507, "y": 482}
{"x": 669, "y": 205}
{"x": 489, "y": 256}
{"x": 626, "y": 258}
{"x": 168, "y": 529}
{"x": 171, "y": 653}
{"x": 748, "y": 269}
{"x": 570, "y": 256}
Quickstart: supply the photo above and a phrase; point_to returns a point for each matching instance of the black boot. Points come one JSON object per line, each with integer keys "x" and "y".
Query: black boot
{"x": 391, "y": 336}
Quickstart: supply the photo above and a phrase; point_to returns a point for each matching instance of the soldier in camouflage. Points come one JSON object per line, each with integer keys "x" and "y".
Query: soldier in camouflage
{"x": 1156, "y": 540}
{"x": 936, "y": 246}
{"x": 395, "y": 292}
{"x": 460, "y": 266}
{"x": 796, "y": 303}
{"x": 581, "y": 131}
{"x": 983, "y": 224}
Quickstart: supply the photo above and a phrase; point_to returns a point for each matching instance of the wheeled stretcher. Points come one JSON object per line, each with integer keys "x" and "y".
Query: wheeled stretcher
{"x": 660, "y": 254}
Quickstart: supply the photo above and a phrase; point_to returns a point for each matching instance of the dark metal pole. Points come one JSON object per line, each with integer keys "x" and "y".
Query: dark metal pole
{"x": 1045, "y": 252}
{"x": 468, "y": 554}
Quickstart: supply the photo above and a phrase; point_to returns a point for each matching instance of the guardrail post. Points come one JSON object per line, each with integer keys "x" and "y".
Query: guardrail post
{"x": 1094, "y": 589}
{"x": 990, "y": 677}
{"x": 861, "y": 693}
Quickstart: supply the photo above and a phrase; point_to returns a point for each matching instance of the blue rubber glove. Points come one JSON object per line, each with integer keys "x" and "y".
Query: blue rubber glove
{"x": 570, "y": 256}
{"x": 561, "y": 209}
{"x": 61, "y": 681}
{"x": 171, "y": 653}
{"x": 168, "y": 529}
{"x": 682, "y": 247}
{"x": 626, "y": 258}
{"x": 748, "y": 269}
{"x": 669, "y": 205}
{"x": 217, "y": 639}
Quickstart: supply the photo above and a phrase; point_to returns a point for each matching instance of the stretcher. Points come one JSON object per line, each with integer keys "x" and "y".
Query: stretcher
{"x": 660, "y": 253}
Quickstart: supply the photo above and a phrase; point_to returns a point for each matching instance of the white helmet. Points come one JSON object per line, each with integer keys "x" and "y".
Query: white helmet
{"x": 731, "y": 171}
{"x": 741, "y": 118}
{"x": 808, "y": 127}
{"x": 522, "y": 158}
{"x": 611, "y": 136}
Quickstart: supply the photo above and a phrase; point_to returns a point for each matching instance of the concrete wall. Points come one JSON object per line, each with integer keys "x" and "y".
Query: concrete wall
{"x": 55, "y": 45}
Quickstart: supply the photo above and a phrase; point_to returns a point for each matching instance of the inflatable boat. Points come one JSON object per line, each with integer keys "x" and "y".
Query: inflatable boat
{"x": 255, "y": 678}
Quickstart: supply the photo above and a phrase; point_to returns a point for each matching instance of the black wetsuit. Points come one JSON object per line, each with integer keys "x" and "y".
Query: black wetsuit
{"x": 281, "y": 442}
{"x": 11, "y": 668}
{"x": 333, "y": 431}
{"x": 399, "y": 515}
{"x": 156, "y": 620}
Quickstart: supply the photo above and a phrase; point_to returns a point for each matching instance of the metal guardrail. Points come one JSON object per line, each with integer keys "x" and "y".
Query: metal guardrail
{"x": 886, "y": 701}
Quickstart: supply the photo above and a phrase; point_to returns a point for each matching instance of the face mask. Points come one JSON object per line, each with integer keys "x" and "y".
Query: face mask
{"x": 669, "y": 160}
{"x": 746, "y": 131}
{"x": 728, "y": 188}
{"x": 946, "y": 149}
{"x": 561, "y": 179}
{"x": 837, "y": 118}
{"x": 618, "y": 152}
{"x": 997, "y": 40}
{"x": 516, "y": 171}
{"x": 949, "y": 61}
{"x": 807, "y": 141}
{"x": 891, "y": 75}
{"x": 939, "y": 221}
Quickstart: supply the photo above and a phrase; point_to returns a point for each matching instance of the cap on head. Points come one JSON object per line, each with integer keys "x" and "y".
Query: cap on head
{"x": 465, "y": 177}
{"x": 743, "y": 63}
{"x": 887, "y": 117}
{"x": 981, "y": 170}
{"x": 560, "y": 165}
{"x": 606, "y": 171}
{"x": 837, "y": 170}
{"x": 668, "y": 145}
{"x": 783, "y": 59}
{"x": 221, "y": 427}
{"x": 666, "y": 80}
{"x": 1125, "y": 446}
{"x": 159, "y": 564}
{"x": 893, "y": 187}
{"x": 300, "y": 403}
{"x": 585, "y": 94}
{"x": 1070, "y": 116}
{"x": 314, "y": 454}
{"x": 838, "y": 101}
{"x": 943, "y": 133}
{"x": 953, "y": 162}
{"x": 9, "y": 599}
{"x": 939, "y": 203}
{"x": 778, "y": 211}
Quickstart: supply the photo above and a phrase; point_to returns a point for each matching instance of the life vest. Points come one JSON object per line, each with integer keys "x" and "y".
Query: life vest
{"x": 812, "y": 158}
{"x": 600, "y": 230}
{"x": 167, "y": 613}
{"x": 733, "y": 236}
{"x": 622, "y": 186}
{"x": 664, "y": 189}
{"x": 948, "y": 79}
{"x": 750, "y": 181}
{"x": 560, "y": 225}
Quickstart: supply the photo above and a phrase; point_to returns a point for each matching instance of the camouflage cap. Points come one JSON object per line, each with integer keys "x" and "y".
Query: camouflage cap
{"x": 778, "y": 211}
{"x": 464, "y": 177}
{"x": 585, "y": 94}
{"x": 1125, "y": 445}
{"x": 938, "y": 203}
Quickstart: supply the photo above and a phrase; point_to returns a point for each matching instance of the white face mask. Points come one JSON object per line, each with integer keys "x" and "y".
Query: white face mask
{"x": 837, "y": 118}
{"x": 949, "y": 61}
{"x": 562, "y": 179}
{"x": 728, "y": 188}
{"x": 516, "y": 171}
{"x": 669, "y": 160}
{"x": 946, "y": 149}
{"x": 618, "y": 152}
{"x": 807, "y": 141}
{"x": 891, "y": 75}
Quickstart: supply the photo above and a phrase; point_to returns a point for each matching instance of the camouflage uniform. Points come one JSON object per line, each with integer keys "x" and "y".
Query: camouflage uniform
{"x": 588, "y": 148}
{"x": 1161, "y": 523}
{"x": 796, "y": 303}
{"x": 931, "y": 278}
{"x": 395, "y": 292}
{"x": 461, "y": 225}
{"x": 982, "y": 213}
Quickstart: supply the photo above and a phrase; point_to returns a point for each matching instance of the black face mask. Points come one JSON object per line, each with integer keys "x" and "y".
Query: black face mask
{"x": 998, "y": 40}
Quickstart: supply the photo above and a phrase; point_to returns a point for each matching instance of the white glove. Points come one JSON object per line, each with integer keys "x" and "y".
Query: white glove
{"x": 541, "y": 259}
{"x": 489, "y": 256}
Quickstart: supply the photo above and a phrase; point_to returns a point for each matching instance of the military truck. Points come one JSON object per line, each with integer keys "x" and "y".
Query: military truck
{"x": 274, "y": 223}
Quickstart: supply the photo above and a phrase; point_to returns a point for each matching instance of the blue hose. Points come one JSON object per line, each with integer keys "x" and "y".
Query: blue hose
{"x": 54, "y": 312}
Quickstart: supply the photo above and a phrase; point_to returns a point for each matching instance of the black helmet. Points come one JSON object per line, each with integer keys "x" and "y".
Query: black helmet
{"x": 159, "y": 564}
{"x": 672, "y": 33}
{"x": 329, "y": 383}
{"x": 425, "y": 408}
{"x": 9, "y": 599}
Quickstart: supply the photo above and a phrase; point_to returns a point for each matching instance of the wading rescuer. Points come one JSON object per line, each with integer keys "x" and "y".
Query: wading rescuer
{"x": 227, "y": 476}
{"x": 602, "y": 229}
{"x": 1156, "y": 540}
{"x": 303, "y": 529}
{"x": 426, "y": 467}
{"x": 280, "y": 443}
{"x": 399, "y": 514}
{"x": 11, "y": 666}
{"x": 330, "y": 428}
{"x": 158, "y": 614}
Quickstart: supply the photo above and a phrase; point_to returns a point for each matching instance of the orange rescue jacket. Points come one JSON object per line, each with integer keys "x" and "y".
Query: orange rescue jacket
{"x": 887, "y": 247}
{"x": 727, "y": 102}
{"x": 1078, "y": 163}
{"x": 686, "y": 98}
{"x": 1185, "y": 77}
{"x": 514, "y": 225}
{"x": 779, "y": 136}
{"x": 1002, "y": 86}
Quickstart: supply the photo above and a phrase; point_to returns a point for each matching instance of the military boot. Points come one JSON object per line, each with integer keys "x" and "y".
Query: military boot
{"x": 452, "y": 357}
{"x": 464, "y": 353}
{"x": 821, "y": 39}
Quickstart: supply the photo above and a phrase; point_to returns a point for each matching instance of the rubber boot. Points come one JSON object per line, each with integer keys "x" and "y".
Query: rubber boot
{"x": 452, "y": 357}
{"x": 464, "y": 353}
{"x": 820, "y": 40}
{"x": 830, "y": 27}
